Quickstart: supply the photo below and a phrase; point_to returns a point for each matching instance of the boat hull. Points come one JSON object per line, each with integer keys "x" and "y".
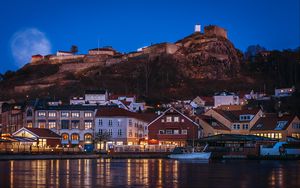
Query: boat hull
{"x": 195, "y": 155}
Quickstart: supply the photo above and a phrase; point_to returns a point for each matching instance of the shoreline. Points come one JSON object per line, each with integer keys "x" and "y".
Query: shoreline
{"x": 6, "y": 157}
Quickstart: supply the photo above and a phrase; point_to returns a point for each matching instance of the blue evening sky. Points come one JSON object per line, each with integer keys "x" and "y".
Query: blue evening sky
{"x": 128, "y": 25}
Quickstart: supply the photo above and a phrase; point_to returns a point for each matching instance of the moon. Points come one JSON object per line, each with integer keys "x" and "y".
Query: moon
{"x": 28, "y": 42}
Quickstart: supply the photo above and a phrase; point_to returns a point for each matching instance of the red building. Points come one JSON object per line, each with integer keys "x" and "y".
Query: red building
{"x": 172, "y": 127}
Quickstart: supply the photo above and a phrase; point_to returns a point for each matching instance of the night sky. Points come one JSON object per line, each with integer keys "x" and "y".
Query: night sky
{"x": 39, "y": 26}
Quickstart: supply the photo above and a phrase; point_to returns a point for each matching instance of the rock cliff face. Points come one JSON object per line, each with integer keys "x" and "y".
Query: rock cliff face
{"x": 208, "y": 57}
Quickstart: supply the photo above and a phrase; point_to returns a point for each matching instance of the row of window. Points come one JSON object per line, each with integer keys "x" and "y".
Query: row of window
{"x": 76, "y": 137}
{"x": 245, "y": 117}
{"x": 172, "y": 131}
{"x": 65, "y": 124}
{"x": 270, "y": 135}
{"x": 65, "y": 114}
{"x": 238, "y": 126}
{"x": 170, "y": 119}
{"x": 296, "y": 125}
{"x": 110, "y": 132}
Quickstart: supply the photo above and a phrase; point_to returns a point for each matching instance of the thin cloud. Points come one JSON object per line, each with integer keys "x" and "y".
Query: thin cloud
{"x": 28, "y": 42}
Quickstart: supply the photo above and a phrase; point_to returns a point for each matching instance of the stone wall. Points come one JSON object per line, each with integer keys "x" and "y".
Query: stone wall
{"x": 213, "y": 30}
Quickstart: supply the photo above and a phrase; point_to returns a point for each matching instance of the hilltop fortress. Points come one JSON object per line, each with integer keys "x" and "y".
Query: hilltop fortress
{"x": 108, "y": 56}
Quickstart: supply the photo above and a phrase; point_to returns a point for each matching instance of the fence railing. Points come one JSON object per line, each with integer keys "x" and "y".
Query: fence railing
{"x": 143, "y": 148}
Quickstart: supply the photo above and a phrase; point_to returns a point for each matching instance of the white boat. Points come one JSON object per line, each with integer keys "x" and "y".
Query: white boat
{"x": 179, "y": 153}
{"x": 193, "y": 155}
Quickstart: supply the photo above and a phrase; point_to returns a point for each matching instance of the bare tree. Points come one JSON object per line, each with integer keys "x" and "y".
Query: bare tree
{"x": 102, "y": 137}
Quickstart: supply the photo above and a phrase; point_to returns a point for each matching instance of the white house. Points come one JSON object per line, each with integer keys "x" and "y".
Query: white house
{"x": 124, "y": 127}
{"x": 64, "y": 53}
{"x": 225, "y": 98}
{"x": 96, "y": 96}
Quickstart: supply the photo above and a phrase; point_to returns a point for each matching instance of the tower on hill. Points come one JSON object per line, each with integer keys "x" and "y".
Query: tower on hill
{"x": 197, "y": 28}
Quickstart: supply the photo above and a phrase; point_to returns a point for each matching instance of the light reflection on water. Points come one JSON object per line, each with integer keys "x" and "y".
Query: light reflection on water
{"x": 148, "y": 173}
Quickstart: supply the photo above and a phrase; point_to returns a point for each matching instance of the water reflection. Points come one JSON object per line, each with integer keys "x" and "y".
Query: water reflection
{"x": 148, "y": 173}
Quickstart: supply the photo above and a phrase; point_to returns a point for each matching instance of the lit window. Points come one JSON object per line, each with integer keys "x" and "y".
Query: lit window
{"x": 184, "y": 131}
{"x": 87, "y": 137}
{"x": 162, "y": 120}
{"x": 75, "y": 114}
{"x": 169, "y": 131}
{"x": 182, "y": 120}
{"x": 52, "y": 124}
{"x": 42, "y": 114}
{"x": 87, "y": 125}
{"x": 75, "y": 124}
{"x": 169, "y": 119}
{"x": 75, "y": 137}
{"x": 64, "y": 114}
{"x": 65, "y": 136}
{"x": 52, "y": 114}
{"x": 88, "y": 114}
{"x": 176, "y": 119}
{"x": 42, "y": 124}
{"x": 29, "y": 124}
{"x": 176, "y": 131}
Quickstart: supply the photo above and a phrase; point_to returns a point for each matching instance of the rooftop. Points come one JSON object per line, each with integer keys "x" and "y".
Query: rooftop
{"x": 272, "y": 121}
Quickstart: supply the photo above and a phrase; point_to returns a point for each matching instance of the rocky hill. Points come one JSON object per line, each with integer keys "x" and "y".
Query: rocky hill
{"x": 185, "y": 68}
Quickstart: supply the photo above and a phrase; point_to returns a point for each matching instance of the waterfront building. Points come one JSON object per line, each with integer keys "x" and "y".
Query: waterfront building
{"x": 74, "y": 123}
{"x": 237, "y": 121}
{"x": 11, "y": 117}
{"x": 278, "y": 126}
{"x": 173, "y": 127}
{"x": 211, "y": 126}
{"x": 38, "y": 136}
{"x": 122, "y": 126}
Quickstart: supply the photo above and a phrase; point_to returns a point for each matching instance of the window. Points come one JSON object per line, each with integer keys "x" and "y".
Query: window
{"x": 119, "y": 122}
{"x": 135, "y": 134}
{"x": 75, "y": 137}
{"x": 87, "y": 137}
{"x": 182, "y": 120}
{"x": 161, "y": 132}
{"x": 130, "y": 122}
{"x": 52, "y": 124}
{"x": 169, "y": 131}
{"x": 119, "y": 132}
{"x": 87, "y": 125}
{"x": 52, "y": 114}
{"x": 64, "y": 114}
{"x": 236, "y": 126}
{"x": 29, "y": 124}
{"x": 65, "y": 136}
{"x": 110, "y": 122}
{"x": 101, "y": 131}
{"x": 169, "y": 119}
{"x": 29, "y": 113}
{"x": 75, "y": 124}
{"x": 184, "y": 131}
{"x": 130, "y": 133}
{"x": 176, "y": 119}
{"x": 296, "y": 135}
{"x": 296, "y": 125}
{"x": 245, "y": 126}
{"x": 42, "y": 124}
{"x": 100, "y": 122}
{"x": 88, "y": 114}
{"x": 42, "y": 114}
{"x": 110, "y": 132}
{"x": 162, "y": 120}
{"x": 176, "y": 132}
{"x": 75, "y": 114}
{"x": 65, "y": 124}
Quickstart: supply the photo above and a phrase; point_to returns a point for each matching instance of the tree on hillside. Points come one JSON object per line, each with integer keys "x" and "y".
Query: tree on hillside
{"x": 74, "y": 49}
{"x": 253, "y": 50}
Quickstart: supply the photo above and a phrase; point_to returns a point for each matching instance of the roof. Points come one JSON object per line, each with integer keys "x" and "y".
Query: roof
{"x": 235, "y": 137}
{"x": 120, "y": 112}
{"x": 224, "y": 93}
{"x": 41, "y": 132}
{"x": 214, "y": 123}
{"x": 272, "y": 121}
{"x": 68, "y": 107}
{"x": 115, "y": 96}
{"x": 98, "y": 91}
{"x": 37, "y": 55}
{"x": 234, "y": 115}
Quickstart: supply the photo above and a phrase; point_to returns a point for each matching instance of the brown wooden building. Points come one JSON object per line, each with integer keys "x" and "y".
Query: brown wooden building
{"x": 172, "y": 127}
